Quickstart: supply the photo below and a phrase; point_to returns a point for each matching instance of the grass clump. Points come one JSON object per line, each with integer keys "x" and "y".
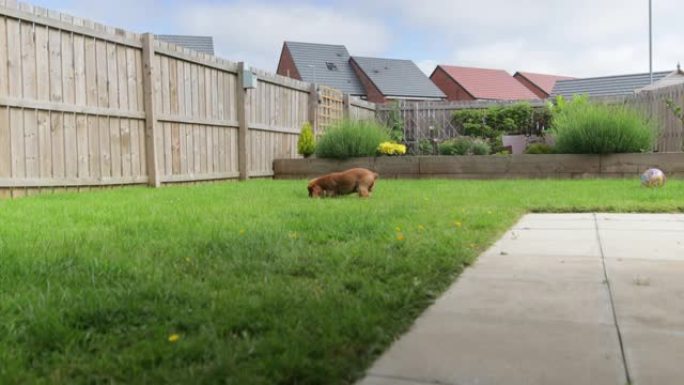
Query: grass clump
{"x": 581, "y": 127}
{"x": 349, "y": 139}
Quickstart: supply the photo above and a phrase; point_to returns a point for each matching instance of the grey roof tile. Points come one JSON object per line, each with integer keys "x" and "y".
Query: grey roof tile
{"x": 325, "y": 64}
{"x": 605, "y": 85}
{"x": 203, "y": 44}
{"x": 401, "y": 78}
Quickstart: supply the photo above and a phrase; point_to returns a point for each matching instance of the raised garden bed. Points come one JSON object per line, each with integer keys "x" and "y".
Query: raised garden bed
{"x": 490, "y": 167}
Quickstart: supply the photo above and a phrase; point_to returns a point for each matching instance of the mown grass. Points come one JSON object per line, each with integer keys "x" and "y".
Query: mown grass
{"x": 261, "y": 284}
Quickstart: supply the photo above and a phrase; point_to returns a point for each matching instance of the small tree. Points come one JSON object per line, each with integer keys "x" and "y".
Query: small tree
{"x": 306, "y": 144}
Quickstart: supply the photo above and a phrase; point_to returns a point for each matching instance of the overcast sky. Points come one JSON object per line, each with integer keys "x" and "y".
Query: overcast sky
{"x": 576, "y": 37}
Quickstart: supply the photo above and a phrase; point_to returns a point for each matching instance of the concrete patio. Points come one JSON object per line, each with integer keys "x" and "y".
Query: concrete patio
{"x": 560, "y": 299}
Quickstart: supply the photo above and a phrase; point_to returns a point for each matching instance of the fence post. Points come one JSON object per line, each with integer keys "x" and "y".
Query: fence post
{"x": 150, "y": 74}
{"x": 313, "y": 107}
{"x": 346, "y": 106}
{"x": 243, "y": 131}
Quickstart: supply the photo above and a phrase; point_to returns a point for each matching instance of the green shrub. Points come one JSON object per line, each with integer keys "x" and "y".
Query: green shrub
{"x": 348, "y": 139}
{"x": 539, "y": 148}
{"x": 457, "y": 146}
{"x": 585, "y": 128}
{"x": 495, "y": 120}
{"x": 465, "y": 146}
{"x": 480, "y": 147}
{"x": 425, "y": 147}
{"x": 306, "y": 144}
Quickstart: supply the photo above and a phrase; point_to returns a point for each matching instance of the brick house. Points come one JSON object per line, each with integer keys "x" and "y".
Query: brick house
{"x": 469, "y": 83}
{"x": 375, "y": 79}
{"x": 541, "y": 84}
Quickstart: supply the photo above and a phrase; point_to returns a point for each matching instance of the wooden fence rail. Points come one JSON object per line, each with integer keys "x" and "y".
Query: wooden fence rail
{"x": 83, "y": 104}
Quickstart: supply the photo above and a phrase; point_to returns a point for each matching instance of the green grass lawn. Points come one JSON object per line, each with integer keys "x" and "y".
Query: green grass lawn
{"x": 257, "y": 283}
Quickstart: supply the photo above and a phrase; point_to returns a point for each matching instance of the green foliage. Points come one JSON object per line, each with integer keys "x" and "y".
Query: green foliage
{"x": 349, "y": 139}
{"x": 539, "y": 148}
{"x": 584, "y": 128}
{"x": 244, "y": 280}
{"x": 456, "y": 146}
{"x": 306, "y": 144}
{"x": 395, "y": 123}
{"x": 425, "y": 147}
{"x": 492, "y": 122}
{"x": 464, "y": 146}
{"x": 480, "y": 147}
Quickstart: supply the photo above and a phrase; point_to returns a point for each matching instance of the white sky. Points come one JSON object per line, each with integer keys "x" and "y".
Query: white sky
{"x": 577, "y": 38}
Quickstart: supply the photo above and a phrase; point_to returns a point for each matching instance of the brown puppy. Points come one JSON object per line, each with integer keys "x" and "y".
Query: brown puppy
{"x": 359, "y": 180}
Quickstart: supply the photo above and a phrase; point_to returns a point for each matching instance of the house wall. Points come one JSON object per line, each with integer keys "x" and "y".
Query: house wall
{"x": 531, "y": 86}
{"x": 286, "y": 65}
{"x": 449, "y": 86}
{"x": 373, "y": 94}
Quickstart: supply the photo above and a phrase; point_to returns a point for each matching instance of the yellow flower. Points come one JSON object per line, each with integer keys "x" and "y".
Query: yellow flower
{"x": 242, "y": 231}
{"x": 400, "y": 237}
{"x": 398, "y": 228}
{"x": 421, "y": 227}
{"x": 293, "y": 235}
{"x": 458, "y": 224}
{"x": 391, "y": 148}
{"x": 174, "y": 337}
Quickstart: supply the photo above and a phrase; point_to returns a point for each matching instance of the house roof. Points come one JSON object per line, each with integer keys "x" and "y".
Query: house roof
{"x": 204, "y": 44}
{"x": 484, "y": 83}
{"x": 606, "y": 85}
{"x": 543, "y": 81}
{"x": 671, "y": 79}
{"x": 399, "y": 78}
{"x": 325, "y": 64}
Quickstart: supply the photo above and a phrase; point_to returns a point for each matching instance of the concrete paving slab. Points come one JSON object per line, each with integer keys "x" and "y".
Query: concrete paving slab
{"x": 654, "y": 357}
{"x": 640, "y": 222}
{"x": 648, "y": 294}
{"x": 541, "y": 242}
{"x": 639, "y": 244}
{"x": 392, "y": 380}
{"x": 556, "y": 221}
{"x": 463, "y": 350}
{"x": 534, "y": 309}
{"x": 536, "y": 268}
{"x": 520, "y": 300}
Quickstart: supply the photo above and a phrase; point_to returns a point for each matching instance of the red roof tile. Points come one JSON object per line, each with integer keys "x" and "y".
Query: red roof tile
{"x": 545, "y": 82}
{"x": 485, "y": 83}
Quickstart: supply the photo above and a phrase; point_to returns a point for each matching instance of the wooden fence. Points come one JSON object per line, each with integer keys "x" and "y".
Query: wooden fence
{"x": 83, "y": 104}
{"x": 428, "y": 120}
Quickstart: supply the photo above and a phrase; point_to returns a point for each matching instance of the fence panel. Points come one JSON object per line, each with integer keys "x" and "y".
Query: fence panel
{"x": 73, "y": 108}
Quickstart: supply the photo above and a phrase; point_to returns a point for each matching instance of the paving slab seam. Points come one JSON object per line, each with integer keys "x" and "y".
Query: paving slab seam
{"x": 612, "y": 302}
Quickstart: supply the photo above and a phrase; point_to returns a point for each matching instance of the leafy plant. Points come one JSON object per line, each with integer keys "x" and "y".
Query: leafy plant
{"x": 395, "y": 123}
{"x": 457, "y": 146}
{"x": 585, "y": 128}
{"x": 306, "y": 144}
{"x": 539, "y": 148}
{"x": 465, "y": 146}
{"x": 480, "y": 147}
{"x": 348, "y": 139}
{"x": 425, "y": 147}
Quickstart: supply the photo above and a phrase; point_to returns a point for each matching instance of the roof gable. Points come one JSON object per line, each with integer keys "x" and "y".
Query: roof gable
{"x": 398, "y": 78}
{"x": 606, "y": 85}
{"x": 325, "y": 64}
{"x": 203, "y": 44}
{"x": 484, "y": 83}
{"x": 543, "y": 81}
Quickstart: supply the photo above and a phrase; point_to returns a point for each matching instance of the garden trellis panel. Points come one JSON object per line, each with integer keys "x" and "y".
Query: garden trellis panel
{"x": 83, "y": 104}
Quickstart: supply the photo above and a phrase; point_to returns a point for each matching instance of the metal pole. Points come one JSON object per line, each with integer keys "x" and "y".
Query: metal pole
{"x": 650, "y": 41}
